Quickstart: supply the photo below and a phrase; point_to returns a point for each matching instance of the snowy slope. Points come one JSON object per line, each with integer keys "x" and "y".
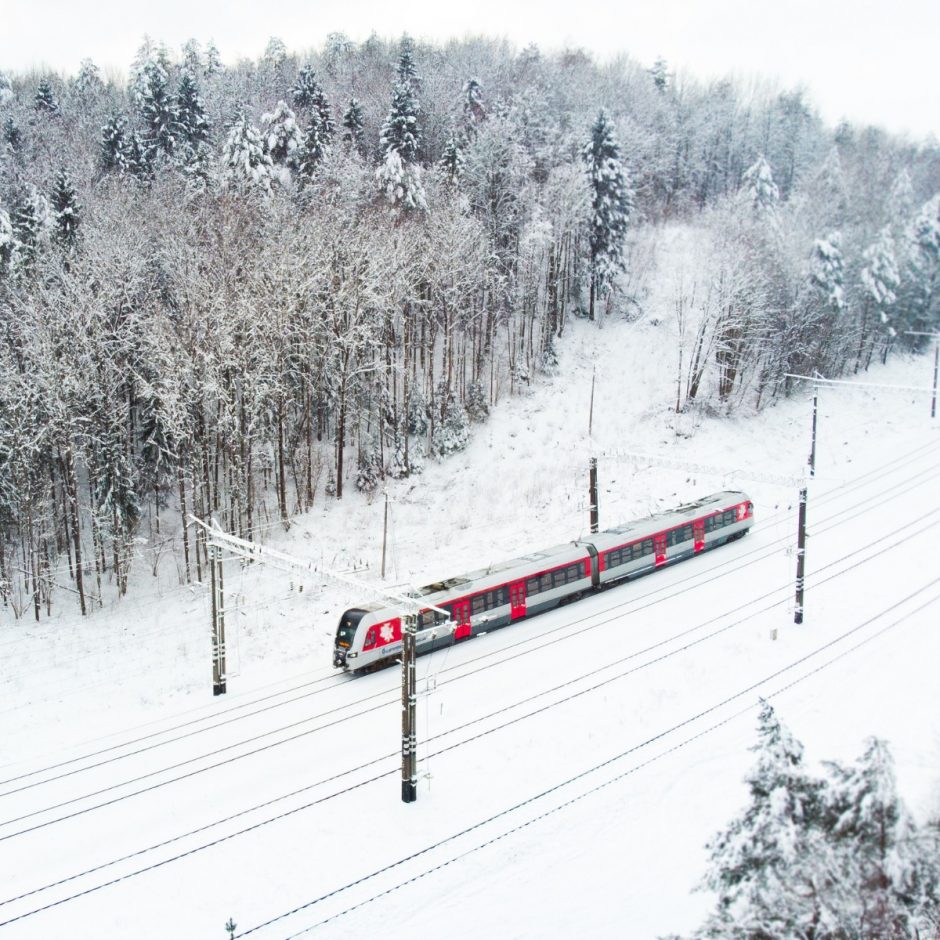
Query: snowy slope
{"x": 572, "y": 766}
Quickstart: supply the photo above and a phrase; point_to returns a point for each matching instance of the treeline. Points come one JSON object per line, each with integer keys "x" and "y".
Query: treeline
{"x": 231, "y": 290}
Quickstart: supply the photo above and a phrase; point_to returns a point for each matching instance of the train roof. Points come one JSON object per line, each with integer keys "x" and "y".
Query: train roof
{"x": 675, "y": 516}
{"x": 566, "y": 552}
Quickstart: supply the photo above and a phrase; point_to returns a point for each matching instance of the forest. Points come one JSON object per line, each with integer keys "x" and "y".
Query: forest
{"x": 234, "y": 290}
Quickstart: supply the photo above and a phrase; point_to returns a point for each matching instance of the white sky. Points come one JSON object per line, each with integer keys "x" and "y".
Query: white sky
{"x": 871, "y": 61}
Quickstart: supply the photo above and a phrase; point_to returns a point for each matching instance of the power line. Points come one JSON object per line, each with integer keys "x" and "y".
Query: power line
{"x": 632, "y": 750}
{"x": 631, "y": 603}
{"x": 433, "y": 754}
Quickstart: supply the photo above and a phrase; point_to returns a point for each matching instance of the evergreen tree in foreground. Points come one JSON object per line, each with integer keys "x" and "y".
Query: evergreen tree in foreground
{"x": 770, "y": 847}
{"x": 818, "y": 859}
{"x": 611, "y": 205}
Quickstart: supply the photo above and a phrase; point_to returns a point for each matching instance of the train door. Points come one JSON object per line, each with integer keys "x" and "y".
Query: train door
{"x": 659, "y": 549}
{"x": 517, "y": 600}
{"x": 698, "y": 534}
{"x": 460, "y": 614}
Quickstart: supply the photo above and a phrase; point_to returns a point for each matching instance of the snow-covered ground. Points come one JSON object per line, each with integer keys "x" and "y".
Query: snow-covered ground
{"x": 571, "y": 766}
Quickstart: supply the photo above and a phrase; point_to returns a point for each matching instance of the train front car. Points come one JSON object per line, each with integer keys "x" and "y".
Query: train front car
{"x": 346, "y": 635}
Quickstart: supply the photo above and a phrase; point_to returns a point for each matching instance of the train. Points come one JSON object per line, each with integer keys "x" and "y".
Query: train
{"x": 370, "y": 636}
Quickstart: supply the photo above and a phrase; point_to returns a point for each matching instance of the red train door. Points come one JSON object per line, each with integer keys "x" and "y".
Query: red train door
{"x": 659, "y": 548}
{"x": 461, "y": 617}
{"x": 698, "y": 533}
{"x": 517, "y": 600}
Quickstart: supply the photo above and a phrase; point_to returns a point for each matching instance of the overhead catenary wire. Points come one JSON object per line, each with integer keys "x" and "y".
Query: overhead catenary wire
{"x": 441, "y": 750}
{"x": 632, "y": 603}
{"x": 505, "y": 812}
{"x": 608, "y": 762}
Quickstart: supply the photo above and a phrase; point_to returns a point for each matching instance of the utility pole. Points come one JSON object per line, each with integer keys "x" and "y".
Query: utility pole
{"x": 936, "y": 367}
{"x": 409, "y": 604}
{"x": 801, "y": 523}
{"x": 218, "y": 620}
{"x": 409, "y": 736}
{"x": 812, "y": 450}
{"x": 591, "y": 407}
{"x": 593, "y": 494}
{"x": 384, "y": 534}
{"x": 933, "y": 398}
{"x": 800, "y": 558}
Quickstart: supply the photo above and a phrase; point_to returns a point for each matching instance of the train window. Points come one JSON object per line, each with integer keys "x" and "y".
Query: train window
{"x": 425, "y": 619}
{"x": 671, "y": 537}
{"x": 532, "y": 586}
{"x": 730, "y": 517}
{"x": 546, "y": 581}
{"x": 648, "y": 547}
{"x": 686, "y": 533}
{"x": 559, "y": 578}
{"x": 502, "y": 596}
{"x": 479, "y": 604}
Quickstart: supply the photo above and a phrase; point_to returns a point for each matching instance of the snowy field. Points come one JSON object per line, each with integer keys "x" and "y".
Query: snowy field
{"x": 572, "y": 766}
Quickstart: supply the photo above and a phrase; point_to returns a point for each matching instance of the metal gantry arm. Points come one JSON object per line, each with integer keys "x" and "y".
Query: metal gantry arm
{"x": 409, "y": 635}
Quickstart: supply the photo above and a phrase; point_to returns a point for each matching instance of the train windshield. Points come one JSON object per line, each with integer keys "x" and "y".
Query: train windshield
{"x": 347, "y": 627}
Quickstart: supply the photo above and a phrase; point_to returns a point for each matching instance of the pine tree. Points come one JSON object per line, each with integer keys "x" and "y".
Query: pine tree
{"x": 321, "y": 107}
{"x": 192, "y": 58}
{"x": 474, "y": 113}
{"x": 452, "y": 161}
{"x": 826, "y": 270}
{"x": 315, "y": 143}
{"x": 213, "y": 64}
{"x": 881, "y": 862}
{"x": 660, "y": 75}
{"x": 399, "y": 175}
{"x": 282, "y": 137}
{"x": 45, "y": 98}
{"x": 769, "y": 867}
{"x": 245, "y": 160}
{"x": 88, "y": 83}
{"x": 30, "y": 214}
{"x": 880, "y": 282}
{"x": 400, "y": 132}
{"x": 306, "y": 88}
{"x": 157, "y": 108}
{"x": 611, "y": 205}
{"x": 114, "y": 145}
{"x": 417, "y": 413}
{"x": 478, "y": 407}
{"x": 7, "y": 243}
{"x": 759, "y": 183}
{"x": 192, "y": 124}
{"x": 6, "y": 88}
{"x": 66, "y": 211}
{"x": 354, "y": 124}
{"x": 452, "y": 433}
{"x": 139, "y": 159}
{"x": 369, "y": 471}
{"x": 922, "y": 269}
{"x": 12, "y": 135}
{"x": 407, "y": 70}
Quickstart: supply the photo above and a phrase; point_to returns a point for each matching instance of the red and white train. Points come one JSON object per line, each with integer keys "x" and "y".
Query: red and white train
{"x": 369, "y": 636}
